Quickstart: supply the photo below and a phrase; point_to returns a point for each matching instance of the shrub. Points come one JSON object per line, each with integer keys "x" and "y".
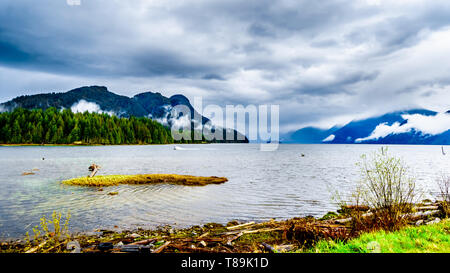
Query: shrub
{"x": 387, "y": 189}
{"x": 444, "y": 187}
{"x": 46, "y": 237}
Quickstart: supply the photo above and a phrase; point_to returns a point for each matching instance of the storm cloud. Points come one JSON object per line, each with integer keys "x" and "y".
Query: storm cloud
{"x": 323, "y": 62}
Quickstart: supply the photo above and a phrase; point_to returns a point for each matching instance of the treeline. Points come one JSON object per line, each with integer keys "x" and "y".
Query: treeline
{"x": 52, "y": 126}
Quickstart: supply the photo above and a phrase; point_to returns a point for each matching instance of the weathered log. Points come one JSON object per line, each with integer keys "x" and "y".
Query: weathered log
{"x": 161, "y": 248}
{"x": 427, "y": 208}
{"x": 204, "y": 239}
{"x": 34, "y": 249}
{"x": 144, "y": 242}
{"x": 263, "y": 230}
{"x": 203, "y": 235}
{"x": 230, "y": 241}
{"x": 413, "y": 216}
{"x": 249, "y": 231}
{"x": 268, "y": 247}
{"x": 241, "y": 226}
{"x": 421, "y": 214}
{"x": 343, "y": 221}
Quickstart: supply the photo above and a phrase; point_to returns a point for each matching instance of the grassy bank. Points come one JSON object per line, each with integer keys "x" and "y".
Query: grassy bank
{"x": 434, "y": 238}
{"x": 113, "y": 180}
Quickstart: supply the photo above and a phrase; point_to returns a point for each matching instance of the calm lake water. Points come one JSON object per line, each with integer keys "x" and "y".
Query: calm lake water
{"x": 262, "y": 185}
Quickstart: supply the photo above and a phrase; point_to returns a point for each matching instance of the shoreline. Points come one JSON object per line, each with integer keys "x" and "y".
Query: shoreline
{"x": 300, "y": 234}
{"x": 93, "y": 145}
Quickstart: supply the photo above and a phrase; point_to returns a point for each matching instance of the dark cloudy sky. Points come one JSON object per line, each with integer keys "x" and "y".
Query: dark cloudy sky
{"x": 323, "y": 62}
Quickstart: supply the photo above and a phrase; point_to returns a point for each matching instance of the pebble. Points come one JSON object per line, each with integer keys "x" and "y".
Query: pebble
{"x": 420, "y": 222}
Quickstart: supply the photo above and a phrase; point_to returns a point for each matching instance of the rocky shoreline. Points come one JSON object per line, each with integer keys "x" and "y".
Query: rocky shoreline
{"x": 297, "y": 234}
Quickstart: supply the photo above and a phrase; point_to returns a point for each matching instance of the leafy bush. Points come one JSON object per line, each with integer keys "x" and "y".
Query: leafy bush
{"x": 49, "y": 233}
{"x": 387, "y": 189}
{"x": 444, "y": 187}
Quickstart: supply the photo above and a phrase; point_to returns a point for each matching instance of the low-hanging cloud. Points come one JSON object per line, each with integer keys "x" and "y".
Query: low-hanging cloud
{"x": 82, "y": 106}
{"x": 426, "y": 125}
{"x": 319, "y": 60}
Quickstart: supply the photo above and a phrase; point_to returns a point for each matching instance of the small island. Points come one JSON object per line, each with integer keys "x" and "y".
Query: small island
{"x": 114, "y": 180}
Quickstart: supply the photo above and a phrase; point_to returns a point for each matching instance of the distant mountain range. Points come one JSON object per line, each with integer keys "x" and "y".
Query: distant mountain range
{"x": 417, "y": 126}
{"x": 99, "y": 99}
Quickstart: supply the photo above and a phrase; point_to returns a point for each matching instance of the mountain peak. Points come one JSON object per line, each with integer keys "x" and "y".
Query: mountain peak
{"x": 414, "y": 126}
{"x": 179, "y": 99}
{"x": 93, "y": 88}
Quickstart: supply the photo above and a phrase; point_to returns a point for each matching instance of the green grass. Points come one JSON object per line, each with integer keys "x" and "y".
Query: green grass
{"x": 113, "y": 180}
{"x": 422, "y": 239}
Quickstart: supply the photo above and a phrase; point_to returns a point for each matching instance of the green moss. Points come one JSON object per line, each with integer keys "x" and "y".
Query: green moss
{"x": 429, "y": 238}
{"x": 329, "y": 215}
{"x": 113, "y": 180}
{"x": 272, "y": 237}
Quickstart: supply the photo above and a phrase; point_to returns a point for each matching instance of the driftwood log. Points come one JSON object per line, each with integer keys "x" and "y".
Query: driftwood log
{"x": 93, "y": 169}
{"x": 161, "y": 248}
